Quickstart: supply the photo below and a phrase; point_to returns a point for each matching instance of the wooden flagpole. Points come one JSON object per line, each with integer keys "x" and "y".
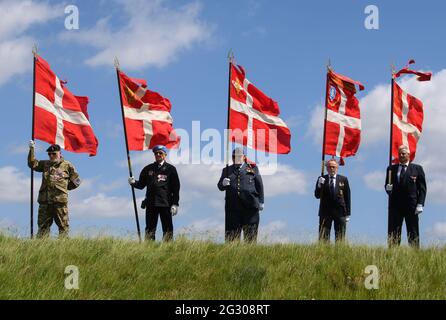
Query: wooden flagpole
{"x": 230, "y": 60}
{"x": 325, "y": 117}
{"x": 32, "y": 138}
{"x": 127, "y": 149}
{"x": 392, "y": 83}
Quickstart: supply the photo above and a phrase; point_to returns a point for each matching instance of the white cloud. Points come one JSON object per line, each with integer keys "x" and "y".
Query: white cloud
{"x": 102, "y": 205}
{"x": 206, "y": 229}
{"x": 16, "y": 18}
{"x": 375, "y": 180}
{"x": 154, "y": 34}
{"x": 214, "y": 229}
{"x": 439, "y": 229}
{"x": 274, "y": 232}
{"x": 316, "y": 125}
{"x": 286, "y": 180}
{"x": 14, "y": 185}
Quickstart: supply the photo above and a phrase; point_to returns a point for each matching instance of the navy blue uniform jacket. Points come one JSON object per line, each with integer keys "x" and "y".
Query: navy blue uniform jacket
{"x": 246, "y": 187}
{"x": 163, "y": 184}
{"x": 337, "y": 205}
{"x": 409, "y": 191}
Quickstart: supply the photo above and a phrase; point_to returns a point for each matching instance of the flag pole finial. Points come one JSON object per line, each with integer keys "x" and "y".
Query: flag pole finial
{"x": 329, "y": 64}
{"x": 34, "y": 50}
{"x": 116, "y": 62}
{"x": 231, "y": 56}
{"x": 393, "y": 69}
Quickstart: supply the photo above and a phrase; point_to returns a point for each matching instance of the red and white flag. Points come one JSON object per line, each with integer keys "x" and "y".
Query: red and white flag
{"x": 407, "y": 121}
{"x": 253, "y": 118}
{"x": 407, "y": 114}
{"x": 421, "y": 76}
{"x": 147, "y": 116}
{"x": 59, "y": 116}
{"x": 343, "y": 121}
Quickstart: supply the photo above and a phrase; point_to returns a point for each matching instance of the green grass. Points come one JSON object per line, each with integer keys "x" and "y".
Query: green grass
{"x": 123, "y": 269}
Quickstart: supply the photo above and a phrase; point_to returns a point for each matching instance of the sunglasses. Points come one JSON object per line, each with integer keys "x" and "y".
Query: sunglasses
{"x": 52, "y": 153}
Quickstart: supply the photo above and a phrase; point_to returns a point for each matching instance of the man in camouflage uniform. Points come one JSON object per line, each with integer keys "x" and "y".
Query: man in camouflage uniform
{"x": 58, "y": 176}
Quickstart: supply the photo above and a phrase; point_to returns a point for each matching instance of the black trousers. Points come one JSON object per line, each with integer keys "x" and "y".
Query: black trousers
{"x": 236, "y": 221}
{"x": 340, "y": 227}
{"x": 396, "y": 218}
{"x": 152, "y": 214}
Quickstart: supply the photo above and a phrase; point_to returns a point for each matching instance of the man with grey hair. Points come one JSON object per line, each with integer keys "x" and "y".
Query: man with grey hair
{"x": 406, "y": 187}
{"x": 244, "y": 197}
{"x": 333, "y": 190}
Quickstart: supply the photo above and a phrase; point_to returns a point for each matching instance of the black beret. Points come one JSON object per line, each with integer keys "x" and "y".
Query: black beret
{"x": 53, "y": 148}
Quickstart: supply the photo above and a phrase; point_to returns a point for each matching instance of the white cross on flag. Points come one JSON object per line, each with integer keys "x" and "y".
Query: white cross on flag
{"x": 147, "y": 116}
{"x": 343, "y": 121}
{"x": 407, "y": 121}
{"x": 60, "y": 117}
{"x": 407, "y": 114}
{"x": 253, "y": 118}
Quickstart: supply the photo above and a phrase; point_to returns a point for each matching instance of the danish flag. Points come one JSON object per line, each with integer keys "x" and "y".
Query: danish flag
{"x": 60, "y": 117}
{"x": 253, "y": 118}
{"x": 147, "y": 115}
{"x": 343, "y": 120}
{"x": 408, "y": 114}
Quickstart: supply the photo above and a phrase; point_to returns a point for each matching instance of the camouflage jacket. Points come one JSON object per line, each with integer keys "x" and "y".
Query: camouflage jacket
{"x": 57, "y": 178}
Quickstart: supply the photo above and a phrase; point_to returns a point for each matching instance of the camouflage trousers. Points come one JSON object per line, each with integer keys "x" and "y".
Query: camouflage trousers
{"x": 49, "y": 213}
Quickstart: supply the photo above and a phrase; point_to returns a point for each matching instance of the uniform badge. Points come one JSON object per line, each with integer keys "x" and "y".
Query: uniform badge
{"x": 341, "y": 184}
{"x": 162, "y": 177}
{"x": 150, "y": 173}
{"x": 414, "y": 178}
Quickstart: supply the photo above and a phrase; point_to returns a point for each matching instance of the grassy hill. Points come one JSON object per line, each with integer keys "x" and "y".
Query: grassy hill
{"x": 184, "y": 269}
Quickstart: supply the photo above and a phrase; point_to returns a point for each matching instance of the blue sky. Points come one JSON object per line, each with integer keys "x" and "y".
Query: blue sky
{"x": 180, "y": 48}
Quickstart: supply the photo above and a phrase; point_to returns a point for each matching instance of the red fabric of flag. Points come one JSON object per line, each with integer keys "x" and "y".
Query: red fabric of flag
{"x": 253, "y": 119}
{"x": 147, "y": 116}
{"x": 343, "y": 122}
{"x": 59, "y": 116}
{"x": 407, "y": 121}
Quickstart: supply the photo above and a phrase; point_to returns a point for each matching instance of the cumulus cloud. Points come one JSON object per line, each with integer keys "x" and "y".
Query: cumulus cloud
{"x": 102, "y": 205}
{"x": 214, "y": 229}
{"x": 153, "y": 34}
{"x": 14, "y": 185}
{"x": 375, "y": 180}
{"x": 16, "y": 18}
{"x": 439, "y": 229}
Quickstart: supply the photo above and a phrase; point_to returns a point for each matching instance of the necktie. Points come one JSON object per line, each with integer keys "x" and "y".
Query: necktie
{"x": 332, "y": 186}
{"x": 403, "y": 171}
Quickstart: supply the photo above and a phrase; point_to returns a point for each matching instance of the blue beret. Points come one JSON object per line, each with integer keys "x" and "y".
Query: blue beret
{"x": 159, "y": 148}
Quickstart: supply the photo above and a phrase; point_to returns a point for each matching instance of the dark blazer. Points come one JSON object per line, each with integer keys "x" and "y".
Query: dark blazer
{"x": 163, "y": 184}
{"x": 409, "y": 191}
{"x": 337, "y": 205}
{"x": 246, "y": 187}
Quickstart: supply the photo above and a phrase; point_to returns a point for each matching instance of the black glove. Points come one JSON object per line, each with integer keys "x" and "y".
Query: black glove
{"x": 144, "y": 204}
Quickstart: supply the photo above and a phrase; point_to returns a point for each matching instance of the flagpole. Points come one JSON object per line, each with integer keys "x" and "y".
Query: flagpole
{"x": 230, "y": 59}
{"x": 127, "y": 150}
{"x": 392, "y": 83}
{"x": 32, "y": 138}
{"x": 325, "y": 118}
